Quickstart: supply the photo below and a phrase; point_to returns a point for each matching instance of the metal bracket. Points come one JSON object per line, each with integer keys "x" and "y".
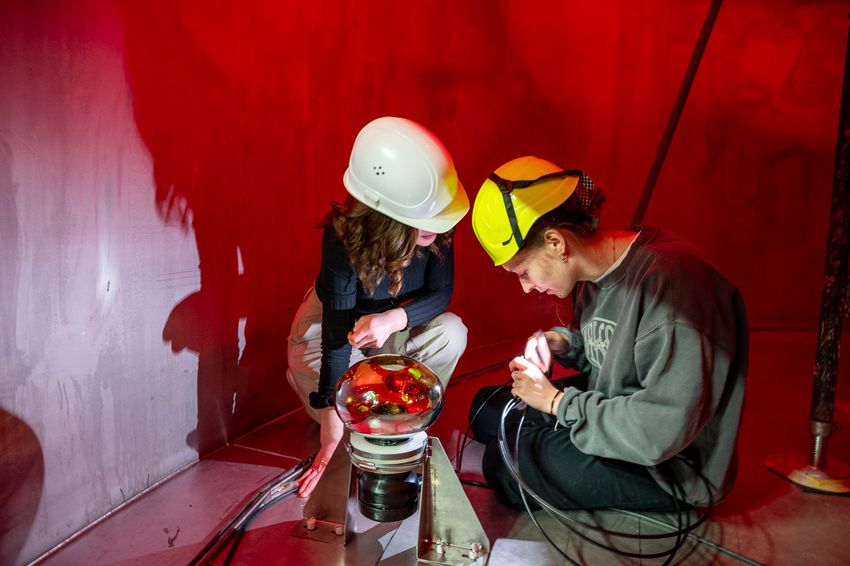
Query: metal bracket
{"x": 328, "y": 511}
{"x": 449, "y": 530}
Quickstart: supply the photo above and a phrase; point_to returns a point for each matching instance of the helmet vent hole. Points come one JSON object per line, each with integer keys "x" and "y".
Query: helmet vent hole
{"x": 378, "y": 170}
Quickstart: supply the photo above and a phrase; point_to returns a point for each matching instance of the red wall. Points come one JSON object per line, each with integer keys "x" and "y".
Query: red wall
{"x": 249, "y": 115}
{"x": 234, "y": 120}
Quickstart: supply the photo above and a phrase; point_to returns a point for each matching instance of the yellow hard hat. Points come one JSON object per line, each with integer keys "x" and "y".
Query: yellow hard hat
{"x": 513, "y": 197}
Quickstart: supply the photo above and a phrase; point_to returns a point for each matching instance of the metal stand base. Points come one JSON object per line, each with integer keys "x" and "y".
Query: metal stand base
{"x": 328, "y": 512}
{"x": 834, "y": 478}
{"x": 449, "y": 530}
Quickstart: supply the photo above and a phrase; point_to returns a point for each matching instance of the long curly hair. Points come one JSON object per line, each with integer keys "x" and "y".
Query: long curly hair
{"x": 377, "y": 246}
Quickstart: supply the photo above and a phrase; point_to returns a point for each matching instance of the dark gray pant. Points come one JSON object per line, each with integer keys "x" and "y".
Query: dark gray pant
{"x": 554, "y": 468}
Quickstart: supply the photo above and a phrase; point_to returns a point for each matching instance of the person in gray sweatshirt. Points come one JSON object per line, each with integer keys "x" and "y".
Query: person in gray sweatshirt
{"x": 658, "y": 338}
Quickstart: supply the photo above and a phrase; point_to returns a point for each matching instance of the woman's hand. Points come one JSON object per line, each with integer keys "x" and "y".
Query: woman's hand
{"x": 330, "y": 435}
{"x": 531, "y": 385}
{"x": 372, "y": 330}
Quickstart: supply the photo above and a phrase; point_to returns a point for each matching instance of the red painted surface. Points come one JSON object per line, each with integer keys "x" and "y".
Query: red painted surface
{"x": 249, "y": 116}
{"x": 247, "y": 113}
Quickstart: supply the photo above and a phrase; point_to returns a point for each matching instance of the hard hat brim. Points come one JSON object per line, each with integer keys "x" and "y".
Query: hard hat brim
{"x": 440, "y": 223}
{"x": 447, "y": 218}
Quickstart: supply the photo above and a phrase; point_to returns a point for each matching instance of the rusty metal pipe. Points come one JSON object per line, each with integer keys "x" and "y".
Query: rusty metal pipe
{"x": 835, "y": 287}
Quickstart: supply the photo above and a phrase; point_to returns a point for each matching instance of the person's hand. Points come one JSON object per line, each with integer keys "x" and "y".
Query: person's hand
{"x": 330, "y": 435}
{"x": 372, "y": 330}
{"x": 531, "y": 385}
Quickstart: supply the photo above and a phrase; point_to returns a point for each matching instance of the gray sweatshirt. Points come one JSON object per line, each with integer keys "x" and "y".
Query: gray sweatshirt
{"x": 664, "y": 337}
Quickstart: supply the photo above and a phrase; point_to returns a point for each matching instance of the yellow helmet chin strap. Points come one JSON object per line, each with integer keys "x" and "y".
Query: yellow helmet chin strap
{"x": 507, "y": 186}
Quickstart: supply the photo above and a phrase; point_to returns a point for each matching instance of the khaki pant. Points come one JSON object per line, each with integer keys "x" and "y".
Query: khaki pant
{"x": 438, "y": 344}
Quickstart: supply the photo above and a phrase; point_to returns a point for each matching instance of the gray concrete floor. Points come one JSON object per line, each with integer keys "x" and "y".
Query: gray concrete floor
{"x": 766, "y": 519}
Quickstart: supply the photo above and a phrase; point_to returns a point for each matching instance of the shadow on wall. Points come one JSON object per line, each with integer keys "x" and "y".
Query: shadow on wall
{"x": 214, "y": 173}
{"x": 249, "y": 116}
{"x": 21, "y": 481}
{"x": 21, "y": 457}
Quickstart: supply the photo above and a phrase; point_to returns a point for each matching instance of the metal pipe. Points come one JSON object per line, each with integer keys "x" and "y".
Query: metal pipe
{"x": 281, "y": 485}
{"x": 835, "y": 286}
{"x": 676, "y": 112}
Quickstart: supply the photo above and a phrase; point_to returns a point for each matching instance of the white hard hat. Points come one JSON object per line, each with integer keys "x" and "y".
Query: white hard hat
{"x": 402, "y": 170}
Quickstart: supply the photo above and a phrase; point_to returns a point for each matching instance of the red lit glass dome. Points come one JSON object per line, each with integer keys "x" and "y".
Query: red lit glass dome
{"x": 388, "y": 394}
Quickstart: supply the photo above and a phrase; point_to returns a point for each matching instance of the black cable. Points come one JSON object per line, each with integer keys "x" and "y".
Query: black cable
{"x": 232, "y": 551}
{"x": 512, "y": 467}
{"x": 240, "y": 532}
{"x": 270, "y": 493}
{"x": 699, "y": 539}
{"x": 677, "y": 490}
{"x": 641, "y": 536}
{"x": 525, "y": 501}
{"x": 456, "y": 379}
{"x": 585, "y": 537}
{"x": 465, "y": 440}
{"x": 709, "y": 507}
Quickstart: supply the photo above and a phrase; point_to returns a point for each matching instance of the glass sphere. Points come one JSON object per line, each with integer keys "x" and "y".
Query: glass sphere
{"x": 388, "y": 395}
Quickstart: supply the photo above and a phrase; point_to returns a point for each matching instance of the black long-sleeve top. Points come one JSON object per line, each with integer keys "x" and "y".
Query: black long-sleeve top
{"x": 425, "y": 294}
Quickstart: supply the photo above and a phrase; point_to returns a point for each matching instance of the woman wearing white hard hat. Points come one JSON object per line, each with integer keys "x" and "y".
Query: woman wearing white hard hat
{"x": 386, "y": 273}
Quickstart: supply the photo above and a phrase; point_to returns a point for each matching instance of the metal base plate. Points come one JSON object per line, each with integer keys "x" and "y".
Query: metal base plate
{"x": 328, "y": 512}
{"x": 834, "y": 478}
{"x": 449, "y": 529}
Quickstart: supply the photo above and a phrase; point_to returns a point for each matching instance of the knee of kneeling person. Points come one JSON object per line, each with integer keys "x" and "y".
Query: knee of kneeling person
{"x": 454, "y": 330}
